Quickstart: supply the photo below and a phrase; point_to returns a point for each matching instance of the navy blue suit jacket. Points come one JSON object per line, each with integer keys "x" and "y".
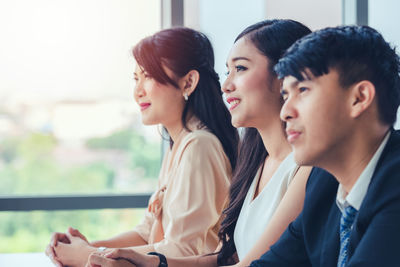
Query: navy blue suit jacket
{"x": 313, "y": 238}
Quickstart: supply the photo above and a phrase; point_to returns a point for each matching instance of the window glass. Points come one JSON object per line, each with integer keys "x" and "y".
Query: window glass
{"x": 68, "y": 121}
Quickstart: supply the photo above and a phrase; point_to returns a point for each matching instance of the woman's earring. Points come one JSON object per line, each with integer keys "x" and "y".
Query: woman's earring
{"x": 185, "y": 96}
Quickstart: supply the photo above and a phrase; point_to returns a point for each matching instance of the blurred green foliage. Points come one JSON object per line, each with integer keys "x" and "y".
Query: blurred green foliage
{"x": 28, "y": 167}
{"x": 30, "y": 231}
{"x": 144, "y": 155}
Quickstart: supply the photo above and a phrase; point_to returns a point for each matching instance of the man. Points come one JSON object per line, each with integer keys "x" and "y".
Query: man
{"x": 341, "y": 90}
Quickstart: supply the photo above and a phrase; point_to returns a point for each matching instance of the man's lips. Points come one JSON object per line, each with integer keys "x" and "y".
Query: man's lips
{"x": 292, "y": 135}
{"x": 233, "y": 102}
{"x": 143, "y": 106}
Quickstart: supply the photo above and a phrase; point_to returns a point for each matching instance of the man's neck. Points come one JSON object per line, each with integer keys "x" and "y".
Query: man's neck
{"x": 352, "y": 157}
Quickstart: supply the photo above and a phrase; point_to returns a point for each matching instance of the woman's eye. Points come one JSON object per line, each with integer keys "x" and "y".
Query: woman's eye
{"x": 303, "y": 89}
{"x": 284, "y": 95}
{"x": 227, "y": 73}
{"x": 146, "y": 75}
{"x": 240, "y": 68}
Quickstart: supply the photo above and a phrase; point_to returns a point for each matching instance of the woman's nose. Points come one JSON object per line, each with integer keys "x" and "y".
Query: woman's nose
{"x": 228, "y": 86}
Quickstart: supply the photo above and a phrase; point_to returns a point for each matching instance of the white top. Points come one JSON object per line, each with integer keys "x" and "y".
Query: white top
{"x": 256, "y": 214}
{"x": 359, "y": 190}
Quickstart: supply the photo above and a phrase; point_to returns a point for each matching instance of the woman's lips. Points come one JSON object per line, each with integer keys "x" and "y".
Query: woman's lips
{"x": 144, "y": 106}
{"x": 233, "y": 102}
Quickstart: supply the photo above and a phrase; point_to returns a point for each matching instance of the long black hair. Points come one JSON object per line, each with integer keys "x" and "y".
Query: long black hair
{"x": 272, "y": 38}
{"x": 182, "y": 50}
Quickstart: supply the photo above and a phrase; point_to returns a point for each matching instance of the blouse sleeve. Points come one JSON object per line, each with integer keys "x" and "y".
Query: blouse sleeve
{"x": 197, "y": 198}
{"x": 144, "y": 227}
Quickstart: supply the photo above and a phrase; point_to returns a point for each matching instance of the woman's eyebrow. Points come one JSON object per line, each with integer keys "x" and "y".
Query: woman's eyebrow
{"x": 236, "y": 59}
{"x": 240, "y": 58}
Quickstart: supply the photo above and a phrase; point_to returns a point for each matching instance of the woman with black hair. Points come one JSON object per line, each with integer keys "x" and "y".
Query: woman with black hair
{"x": 268, "y": 188}
{"x": 177, "y": 87}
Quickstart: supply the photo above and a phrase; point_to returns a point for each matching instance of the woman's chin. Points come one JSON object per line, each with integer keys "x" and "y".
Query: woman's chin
{"x": 237, "y": 123}
{"x": 148, "y": 122}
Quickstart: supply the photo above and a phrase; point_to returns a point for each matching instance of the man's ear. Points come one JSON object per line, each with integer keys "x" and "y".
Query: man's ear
{"x": 188, "y": 83}
{"x": 362, "y": 96}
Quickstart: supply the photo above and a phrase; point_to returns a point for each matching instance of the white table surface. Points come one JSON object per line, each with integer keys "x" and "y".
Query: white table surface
{"x": 25, "y": 260}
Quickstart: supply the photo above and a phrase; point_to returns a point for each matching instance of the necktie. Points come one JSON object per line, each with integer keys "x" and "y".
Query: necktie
{"x": 346, "y": 223}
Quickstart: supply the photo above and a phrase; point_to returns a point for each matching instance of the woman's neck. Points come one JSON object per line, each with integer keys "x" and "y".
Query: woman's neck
{"x": 175, "y": 127}
{"x": 274, "y": 140}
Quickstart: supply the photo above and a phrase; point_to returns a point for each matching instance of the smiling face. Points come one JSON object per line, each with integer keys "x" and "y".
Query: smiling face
{"x": 159, "y": 103}
{"x": 250, "y": 89}
{"x": 317, "y": 117}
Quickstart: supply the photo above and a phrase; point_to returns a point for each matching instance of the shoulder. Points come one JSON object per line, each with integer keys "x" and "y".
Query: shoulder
{"x": 201, "y": 139}
{"x": 320, "y": 178}
{"x": 388, "y": 167}
{"x": 321, "y": 188}
{"x": 201, "y": 146}
{"x": 391, "y": 153}
{"x": 382, "y": 201}
{"x": 386, "y": 178}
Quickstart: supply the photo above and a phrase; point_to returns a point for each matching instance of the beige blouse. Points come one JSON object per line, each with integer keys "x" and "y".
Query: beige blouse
{"x": 196, "y": 174}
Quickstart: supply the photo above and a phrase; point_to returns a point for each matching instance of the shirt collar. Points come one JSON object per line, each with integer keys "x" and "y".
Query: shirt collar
{"x": 359, "y": 190}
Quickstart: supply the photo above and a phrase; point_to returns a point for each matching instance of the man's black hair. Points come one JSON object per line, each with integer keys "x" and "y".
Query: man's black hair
{"x": 357, "y": 53}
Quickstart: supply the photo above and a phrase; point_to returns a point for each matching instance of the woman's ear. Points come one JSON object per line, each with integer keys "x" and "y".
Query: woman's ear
{"x": 188, "y": 83}
{"x": 362, "y": 96}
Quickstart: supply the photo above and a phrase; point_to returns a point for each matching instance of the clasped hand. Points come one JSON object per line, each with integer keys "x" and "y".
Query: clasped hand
{"x": 73, "y": 249}
{"x": 69, "y": 249}
{"x": 122, "y": 258}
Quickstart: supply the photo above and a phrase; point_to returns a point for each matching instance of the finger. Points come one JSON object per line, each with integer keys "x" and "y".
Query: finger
{"x": 77, "y": 233}
{"x": 71, "y": 236}
{"x": 73, "y": 231}
{"x": 129, "y": 255}
{"x": 98, "y": 260}
{"x": 49, "y": 251}
{"x": 52, "y": 255}
{"x": 57, "y": 263}
{"x": 122, "y": 253}
{"x": 56, "y": 237}
{"x": 59, "y": 248}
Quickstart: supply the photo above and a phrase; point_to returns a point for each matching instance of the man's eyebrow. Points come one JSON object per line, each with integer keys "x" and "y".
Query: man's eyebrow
{"x": 291, "y": 84}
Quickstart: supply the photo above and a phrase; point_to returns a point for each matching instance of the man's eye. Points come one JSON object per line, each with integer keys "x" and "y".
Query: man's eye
{"x": 303, "y": 89}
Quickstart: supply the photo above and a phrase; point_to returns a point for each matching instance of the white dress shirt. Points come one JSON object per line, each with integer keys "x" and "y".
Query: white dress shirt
{"x": 360, "y": 188}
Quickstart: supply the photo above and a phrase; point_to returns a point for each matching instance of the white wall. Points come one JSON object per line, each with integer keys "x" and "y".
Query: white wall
{"x": 383, "y": 16}
{"x": 222, "y": 21}
{"x": 316, "y": 14}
